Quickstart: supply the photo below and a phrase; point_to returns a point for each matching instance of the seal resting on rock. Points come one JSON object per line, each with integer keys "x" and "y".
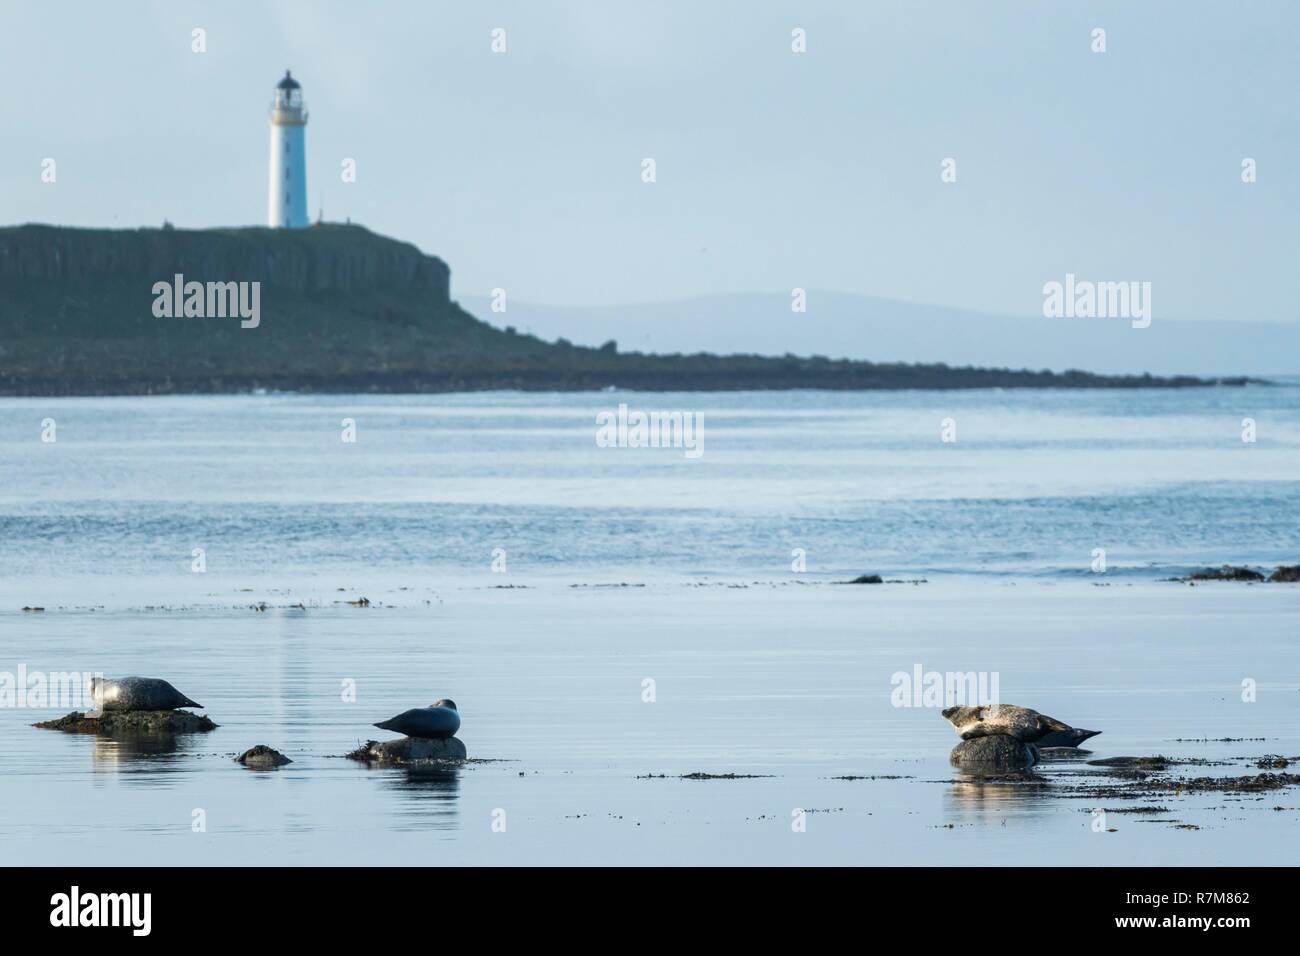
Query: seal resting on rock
{"x": 1067, "y": 738}
{"x": 1023, "y": 724}
{"x": 993, "y": 752}
{"x": 438, "y": 721}
{"x": 136, "y": 693}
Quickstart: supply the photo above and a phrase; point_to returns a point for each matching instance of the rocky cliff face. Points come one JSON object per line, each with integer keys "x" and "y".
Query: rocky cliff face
{"x": 324, "y": 258}
{"x": 342, "y": 310}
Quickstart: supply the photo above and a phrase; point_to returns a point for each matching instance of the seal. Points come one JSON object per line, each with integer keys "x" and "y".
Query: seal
{"x": 438, "y": 721}
{"x": 1068, "y": 738}
{"x": 137, "y": 693}
{"x": 1027, "y": 726}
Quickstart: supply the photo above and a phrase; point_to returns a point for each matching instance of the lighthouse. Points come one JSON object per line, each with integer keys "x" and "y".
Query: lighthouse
{"x": 286, "y": 206}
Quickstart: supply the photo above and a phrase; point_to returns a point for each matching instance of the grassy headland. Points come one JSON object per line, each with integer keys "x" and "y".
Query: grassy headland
{"x": 345, "y": 310}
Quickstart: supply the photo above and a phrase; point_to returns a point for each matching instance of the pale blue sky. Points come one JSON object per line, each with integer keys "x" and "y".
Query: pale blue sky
{"x": 775, "y": 170}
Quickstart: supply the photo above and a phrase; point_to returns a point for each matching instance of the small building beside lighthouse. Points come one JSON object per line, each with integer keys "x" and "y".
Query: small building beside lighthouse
{"x": 286, "y": 206}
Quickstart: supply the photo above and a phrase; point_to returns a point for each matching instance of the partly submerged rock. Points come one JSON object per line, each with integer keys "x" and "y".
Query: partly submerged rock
{"x": 1286, "y": 574}
{"x": 866, "y": 579}
{"x": 262, "y": 757}
{"x": 993, "y": 752}
{"x": 132, "y": 722}
{"x": 1226, "y": 573}
{"x": 409, "y": 750}
{"x": 1158, "y": 762}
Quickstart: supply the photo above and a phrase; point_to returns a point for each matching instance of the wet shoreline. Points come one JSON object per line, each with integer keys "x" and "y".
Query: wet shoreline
{"x": 703, "y": 773}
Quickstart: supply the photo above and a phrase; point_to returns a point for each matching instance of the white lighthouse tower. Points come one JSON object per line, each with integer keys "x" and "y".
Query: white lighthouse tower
{"x": 286, "y": 206}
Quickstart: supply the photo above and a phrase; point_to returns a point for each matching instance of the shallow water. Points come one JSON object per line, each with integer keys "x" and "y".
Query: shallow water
{"x": 756, "y": 670}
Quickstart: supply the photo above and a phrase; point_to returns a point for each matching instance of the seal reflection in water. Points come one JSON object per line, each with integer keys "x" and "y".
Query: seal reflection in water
{"x": 110, "y": 753}
{"x": 974, "y": 797}
{"x": 137, "y": 693}
{"x": 1023, "y": 724}
{"x": 435, "y": 722}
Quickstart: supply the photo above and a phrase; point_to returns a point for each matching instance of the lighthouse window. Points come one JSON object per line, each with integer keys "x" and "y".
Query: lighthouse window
{"x": 286, "y": 172}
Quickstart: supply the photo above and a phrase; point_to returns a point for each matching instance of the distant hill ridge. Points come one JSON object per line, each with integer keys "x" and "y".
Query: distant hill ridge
{"x": 856, "y": 326}
{"x": 343, "y": 310}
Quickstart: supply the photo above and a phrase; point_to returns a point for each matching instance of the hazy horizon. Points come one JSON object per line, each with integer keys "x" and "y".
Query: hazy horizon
{"x": 775, "y": 170}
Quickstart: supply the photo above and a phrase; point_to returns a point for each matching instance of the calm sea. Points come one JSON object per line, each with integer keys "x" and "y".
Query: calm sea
{"x": 541, "y": 580}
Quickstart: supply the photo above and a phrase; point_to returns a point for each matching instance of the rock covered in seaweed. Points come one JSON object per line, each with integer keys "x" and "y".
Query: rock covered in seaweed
{"x": 409, "y": 750}
{"x": 132, "y": 722}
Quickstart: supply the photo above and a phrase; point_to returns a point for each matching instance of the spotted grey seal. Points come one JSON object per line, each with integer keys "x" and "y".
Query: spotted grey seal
{"x": 435, "y": 722}
{"x": 1067, "y": 738}
{"x": 1027, "y": 726}
{"x": 136, "y": 693}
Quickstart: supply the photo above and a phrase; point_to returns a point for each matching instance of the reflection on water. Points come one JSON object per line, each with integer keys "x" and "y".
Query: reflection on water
{"x": 1045, "y": 788}
{"x": 109, "y": 752}
{"x": 975, "y": 796}
{"x": 428, "y": 796}
{"x": 1066, "y": 755}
